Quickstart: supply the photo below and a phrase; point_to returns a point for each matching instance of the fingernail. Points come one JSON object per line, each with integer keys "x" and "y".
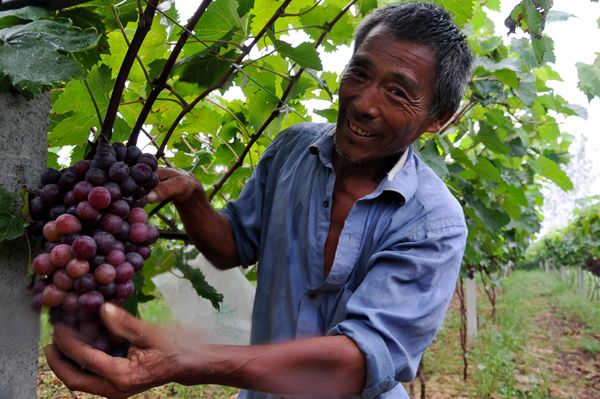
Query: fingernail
{"x": 152, "y": 197}
{"x": 110, "y": 309}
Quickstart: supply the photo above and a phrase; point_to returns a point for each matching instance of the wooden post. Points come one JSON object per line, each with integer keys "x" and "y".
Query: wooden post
{"x": 23, "y": 154}
{"x": 471, "y": 304}
{"x": 563, "y": 273}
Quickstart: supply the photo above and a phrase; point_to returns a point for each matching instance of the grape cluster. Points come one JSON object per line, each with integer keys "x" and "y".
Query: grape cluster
{"x": 96, "y": 235}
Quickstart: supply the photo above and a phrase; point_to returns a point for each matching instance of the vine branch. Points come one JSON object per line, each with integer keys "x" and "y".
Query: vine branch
{"x": 138, "y": 38}
{"x": 161, "y": 82}
{"x": 240, "y": 160}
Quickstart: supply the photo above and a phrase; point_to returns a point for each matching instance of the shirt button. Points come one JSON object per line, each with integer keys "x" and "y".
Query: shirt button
{"x": 325, "y": 204}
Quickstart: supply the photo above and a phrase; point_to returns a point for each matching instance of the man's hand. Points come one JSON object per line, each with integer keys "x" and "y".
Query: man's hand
{"x": 153, "y": 358}
{"x": 176, "y": 185}
{"x": 207, "y": 229}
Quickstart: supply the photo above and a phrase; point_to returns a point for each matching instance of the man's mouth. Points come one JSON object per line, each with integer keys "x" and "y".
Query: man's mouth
{"x": 357, "y": 130}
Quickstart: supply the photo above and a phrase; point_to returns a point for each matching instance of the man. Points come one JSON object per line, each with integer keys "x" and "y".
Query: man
{"x": 359, "y": 243}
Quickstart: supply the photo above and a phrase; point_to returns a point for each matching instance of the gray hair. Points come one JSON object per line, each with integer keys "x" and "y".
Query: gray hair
{"x": 429, "y": 25}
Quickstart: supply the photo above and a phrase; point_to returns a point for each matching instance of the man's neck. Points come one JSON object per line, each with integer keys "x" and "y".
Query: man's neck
{"x": 373, "y": 171}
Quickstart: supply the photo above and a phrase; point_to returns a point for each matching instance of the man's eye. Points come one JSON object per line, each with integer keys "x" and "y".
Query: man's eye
{"x": 397, "y": 93}
{"x": 358, "y": 73}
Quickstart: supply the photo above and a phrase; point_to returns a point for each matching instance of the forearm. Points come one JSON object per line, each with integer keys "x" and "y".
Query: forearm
{"x": 208, "y": 230}
{"x": 330, "y": 365}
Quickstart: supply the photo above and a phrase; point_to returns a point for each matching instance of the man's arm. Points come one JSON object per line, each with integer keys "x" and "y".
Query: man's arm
{"x": 208, "y": 230}
{"x": 323, "y": 366}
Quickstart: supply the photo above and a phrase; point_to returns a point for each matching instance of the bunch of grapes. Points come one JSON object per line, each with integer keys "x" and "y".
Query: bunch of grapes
{"x": 96, "y": 235}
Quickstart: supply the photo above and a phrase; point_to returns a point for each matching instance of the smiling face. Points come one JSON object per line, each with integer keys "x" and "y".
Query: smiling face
{"x": 385, "y": 97}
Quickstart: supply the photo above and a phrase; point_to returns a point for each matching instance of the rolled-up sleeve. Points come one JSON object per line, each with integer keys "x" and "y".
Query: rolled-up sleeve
{"x": 394, "y": 313}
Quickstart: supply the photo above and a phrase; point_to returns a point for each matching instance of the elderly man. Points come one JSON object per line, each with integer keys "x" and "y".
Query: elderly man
{"x": 358, "y": 242}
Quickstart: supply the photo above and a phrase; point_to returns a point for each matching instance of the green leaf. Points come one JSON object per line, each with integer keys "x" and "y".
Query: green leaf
{"x": 75, "y": 102}
{"x": 558, "y": 16}
{"x": 549, "y": 169}
{"x": 432, "y": 157}
{"x": 493, "y": 219}
{"x": 205, "y": 68}
{"x": 12, "y": 223}
{"x": 21, "y": 15}
{"x": 202, "y": 288}
{"x": 32, "y": 55}
{"x": 461, "y": 10}
{"x": 220, "y": 20}
{"x": 305, "y": 54}
{"x": 589, "y": 78}
{"x": 487, "y": 170}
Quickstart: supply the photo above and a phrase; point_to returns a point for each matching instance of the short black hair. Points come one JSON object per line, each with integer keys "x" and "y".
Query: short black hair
{"x": 432, "y": 26}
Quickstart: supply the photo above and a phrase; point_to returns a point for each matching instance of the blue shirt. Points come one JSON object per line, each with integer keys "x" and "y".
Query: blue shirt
{"x": 395, "y": 266}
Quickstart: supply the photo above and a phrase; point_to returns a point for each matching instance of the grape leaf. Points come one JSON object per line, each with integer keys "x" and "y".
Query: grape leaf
{"x": 32, "y": 55}
{"x": 548, "y": 168}
{"x": 202, "y": 288}
{"x": 461, "y": 10}
{"x": 21, "y": 15}
{"x": 305, "y": 54}
{"x": 589, "y": 78}
{"x": 12, "y": 223}
{"x": 558, "y": 16}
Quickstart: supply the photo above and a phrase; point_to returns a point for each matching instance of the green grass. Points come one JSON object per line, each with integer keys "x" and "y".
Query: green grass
{"x": 501, "y": 366}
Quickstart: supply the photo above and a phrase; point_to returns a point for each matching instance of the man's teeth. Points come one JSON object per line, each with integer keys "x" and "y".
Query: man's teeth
{"x": 359, "y": 131}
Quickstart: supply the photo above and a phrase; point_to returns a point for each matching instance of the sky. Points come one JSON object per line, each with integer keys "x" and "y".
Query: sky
{"x": 576, "y": 40}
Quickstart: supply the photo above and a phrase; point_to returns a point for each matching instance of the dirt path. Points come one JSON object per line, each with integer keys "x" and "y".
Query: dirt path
{"x": 575, "y": 374}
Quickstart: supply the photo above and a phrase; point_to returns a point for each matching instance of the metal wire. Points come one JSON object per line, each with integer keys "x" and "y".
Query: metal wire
{"x": 285, "y": 107}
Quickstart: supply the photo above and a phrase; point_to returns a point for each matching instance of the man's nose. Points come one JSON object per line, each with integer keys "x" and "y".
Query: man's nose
{"x": 368, "y": 103}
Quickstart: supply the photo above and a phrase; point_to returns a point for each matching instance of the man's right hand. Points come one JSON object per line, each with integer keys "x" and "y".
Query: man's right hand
{"x": 207, "y": 229}
{"x": 177, "y": 186}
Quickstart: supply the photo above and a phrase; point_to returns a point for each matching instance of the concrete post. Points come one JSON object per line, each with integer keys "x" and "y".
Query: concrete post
{"x": 23, "y": 154}
{"x": 581, "y": 281}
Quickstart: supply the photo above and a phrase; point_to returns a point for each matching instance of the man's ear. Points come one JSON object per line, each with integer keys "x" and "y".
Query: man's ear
{"x": 438, "y": 122}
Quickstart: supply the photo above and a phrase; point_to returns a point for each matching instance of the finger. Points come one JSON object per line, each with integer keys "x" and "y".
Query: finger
{"x": 77, "y": 379}
{"x": 166, "y": 173}
{"x": 124, "y": 325}
{"x": 87, "y": 357}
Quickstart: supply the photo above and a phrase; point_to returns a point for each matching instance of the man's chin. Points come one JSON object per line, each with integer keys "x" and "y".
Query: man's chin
{"x": 348, "y": 156}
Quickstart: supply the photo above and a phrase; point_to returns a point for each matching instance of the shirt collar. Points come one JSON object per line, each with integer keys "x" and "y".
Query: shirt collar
{"x": 402, "y": 177}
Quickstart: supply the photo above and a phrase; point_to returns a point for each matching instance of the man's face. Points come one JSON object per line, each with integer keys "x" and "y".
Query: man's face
{"x": 385, "y": 96}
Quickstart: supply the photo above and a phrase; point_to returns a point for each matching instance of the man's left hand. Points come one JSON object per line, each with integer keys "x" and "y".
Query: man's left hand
{"x": 152, "y": 359}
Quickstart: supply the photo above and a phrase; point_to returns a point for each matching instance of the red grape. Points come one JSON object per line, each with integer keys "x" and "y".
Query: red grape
{"x": 115, "y": 257}
{"x": 61, "y": 255}
{"x": 84, "y": 247}
{"x": 62, "y": 280}
{"x": 105, "y": 274}
{"x": 51, "y": 233}
{"x": 124, "y": 272}
{"x": 124, "y": 290}
{"x": 42, "y": 265}
{"x": 112, "y": 223}
{"x": 86, "y": 211}
{"x": 77, "y": 267}
{"x": 138, "y": 233}
{"x": 119, "y": 208}
{"x": 99, "y": 197}
{"x": 81, "y": 190}
{"x": 91, "y": 300}
{"x": 68, "y": 224}
{"x": 137, "y": 215}
{"x": 50, "y": 176}
{"x": 52, "y": 296}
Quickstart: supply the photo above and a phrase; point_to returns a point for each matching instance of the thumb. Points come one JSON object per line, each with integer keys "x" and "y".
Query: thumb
{"x": 124, "y": 325}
